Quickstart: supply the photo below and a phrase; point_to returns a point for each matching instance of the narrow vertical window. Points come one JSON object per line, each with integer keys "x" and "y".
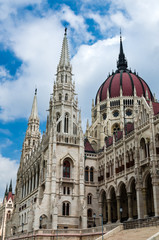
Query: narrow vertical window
{"x": 60, "y": 97}
{"x": 63, "y": 209}
{"x": 59, "y": 123}
{"x": 66, "y": 97}
{"x": 64, "y": 190}
{"x": 66, "y": 169}
{"x": 66, "y": 122}
{"x": 86, "y": 174}
{"x": 67, "y": 209}
{"x": 91, "y": 174}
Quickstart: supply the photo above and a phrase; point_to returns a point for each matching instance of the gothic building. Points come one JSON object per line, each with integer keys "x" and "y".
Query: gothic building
{"x": 66, "y": 179}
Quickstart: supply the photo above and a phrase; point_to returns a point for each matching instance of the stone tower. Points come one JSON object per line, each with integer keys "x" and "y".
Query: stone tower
{"x": 61, "y": 201}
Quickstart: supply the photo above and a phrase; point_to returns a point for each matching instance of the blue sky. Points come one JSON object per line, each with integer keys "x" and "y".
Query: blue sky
{"x": 31, "y": 34}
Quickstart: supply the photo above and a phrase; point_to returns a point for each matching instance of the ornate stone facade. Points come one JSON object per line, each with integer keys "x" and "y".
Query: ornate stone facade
{"x": 66, "y": 180}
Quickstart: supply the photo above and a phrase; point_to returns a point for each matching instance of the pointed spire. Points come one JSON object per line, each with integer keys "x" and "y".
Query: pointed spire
{"x": 6, "y": 192}
{"x": 122, "y": 62}
{"x": 64, "y": 60}
{"x": 34, "y": 110}
{"x": 10, "y": 186}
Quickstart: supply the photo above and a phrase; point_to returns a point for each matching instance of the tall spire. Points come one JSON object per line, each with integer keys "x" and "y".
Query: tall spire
{"x": 10, "y": 186}
{"x": 34, "y": 110}
{"x": 65, "y": 60}
{"x": 122, "y": 62}
{"x": 6, "y": 192}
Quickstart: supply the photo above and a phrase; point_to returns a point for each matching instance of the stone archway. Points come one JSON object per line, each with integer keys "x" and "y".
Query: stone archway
{"x": 104, "y": 207}
{"x": 149, "y": 196}
{"x": 134, "y": 199}
{"x": 123, "y": 202}
{"x": 113, "y": 204}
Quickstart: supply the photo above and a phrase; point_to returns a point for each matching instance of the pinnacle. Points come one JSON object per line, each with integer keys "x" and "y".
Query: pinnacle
{"x": 34, "y": 111}
{"x": 64, "y": 60}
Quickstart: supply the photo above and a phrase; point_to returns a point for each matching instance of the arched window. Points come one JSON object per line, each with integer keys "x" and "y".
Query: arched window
{"x": 66, "y": 169}
{"x": 66, "y": 123}
{"x": 66, "y": 78}
{"x": 66, "y": 97}
{"x": 66, "y": 209}
{"x": 87, "y": 174}
{"x": 89, "y": 213}
{"x": 89, "y": 198}
{"x": 60, "y": 97}
{"x": 91, "y": 174}
{"x": 59, "y": 123}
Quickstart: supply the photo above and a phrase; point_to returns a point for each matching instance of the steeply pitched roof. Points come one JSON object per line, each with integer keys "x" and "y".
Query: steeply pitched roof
{"x": 88, "y": 147}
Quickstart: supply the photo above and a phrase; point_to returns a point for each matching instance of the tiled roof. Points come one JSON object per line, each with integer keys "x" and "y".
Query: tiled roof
{"x": 88, "y": 147}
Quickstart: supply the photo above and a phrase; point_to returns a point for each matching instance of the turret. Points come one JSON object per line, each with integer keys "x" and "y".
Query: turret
{"x": 32, "y": 134}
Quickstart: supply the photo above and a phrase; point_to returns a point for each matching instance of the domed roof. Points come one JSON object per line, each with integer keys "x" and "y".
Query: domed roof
{"x": 126, "y": 80}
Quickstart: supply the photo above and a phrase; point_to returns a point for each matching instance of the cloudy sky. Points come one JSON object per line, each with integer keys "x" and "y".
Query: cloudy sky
{"x": 31, "y": 34}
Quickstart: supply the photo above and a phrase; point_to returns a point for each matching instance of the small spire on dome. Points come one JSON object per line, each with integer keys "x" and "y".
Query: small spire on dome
{"x": 122, "y": 62}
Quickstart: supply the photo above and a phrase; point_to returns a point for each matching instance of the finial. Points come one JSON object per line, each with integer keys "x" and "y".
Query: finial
{"x": 35, "y": 91}
{"x": 65, "y": 31}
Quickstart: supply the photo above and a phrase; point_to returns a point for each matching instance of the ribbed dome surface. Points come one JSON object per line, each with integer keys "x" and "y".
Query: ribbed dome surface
{"x": 127, "y": 81}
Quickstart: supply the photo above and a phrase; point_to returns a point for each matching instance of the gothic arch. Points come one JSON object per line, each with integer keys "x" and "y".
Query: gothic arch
{"x": 119, "y": 187}
{"x": 129, "y": 183}
{"x": 71, "y": 159}
{"x": 109, "y": 191}
{"x": 122, "y": 191}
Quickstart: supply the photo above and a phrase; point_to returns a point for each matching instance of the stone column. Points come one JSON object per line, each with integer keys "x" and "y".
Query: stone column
{"x": 130, "y": 205}
{"x": 109, "y": 210}
{"x": 140, "y": 208}
{"x": 156, "y": 198}
{"x": 118, "y": 209}
{"x": 144, "y": 193}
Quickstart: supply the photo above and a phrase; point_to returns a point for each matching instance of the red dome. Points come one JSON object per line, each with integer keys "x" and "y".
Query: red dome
{"x": 124, "y": 79}
{"x": 127, "y": 81}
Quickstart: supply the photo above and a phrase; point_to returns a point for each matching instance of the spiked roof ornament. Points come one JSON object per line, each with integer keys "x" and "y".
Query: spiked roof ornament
{"x": 64, "y": 59}
{"x": 122, "y": 62}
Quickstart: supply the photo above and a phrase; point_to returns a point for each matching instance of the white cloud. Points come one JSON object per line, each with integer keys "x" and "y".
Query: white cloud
{"x": 37, "y": 42}
{"x": 8, "y": 171}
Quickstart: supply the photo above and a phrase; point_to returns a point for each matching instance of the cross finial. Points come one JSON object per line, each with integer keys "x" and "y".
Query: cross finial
{"x": 35, "y": 91}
